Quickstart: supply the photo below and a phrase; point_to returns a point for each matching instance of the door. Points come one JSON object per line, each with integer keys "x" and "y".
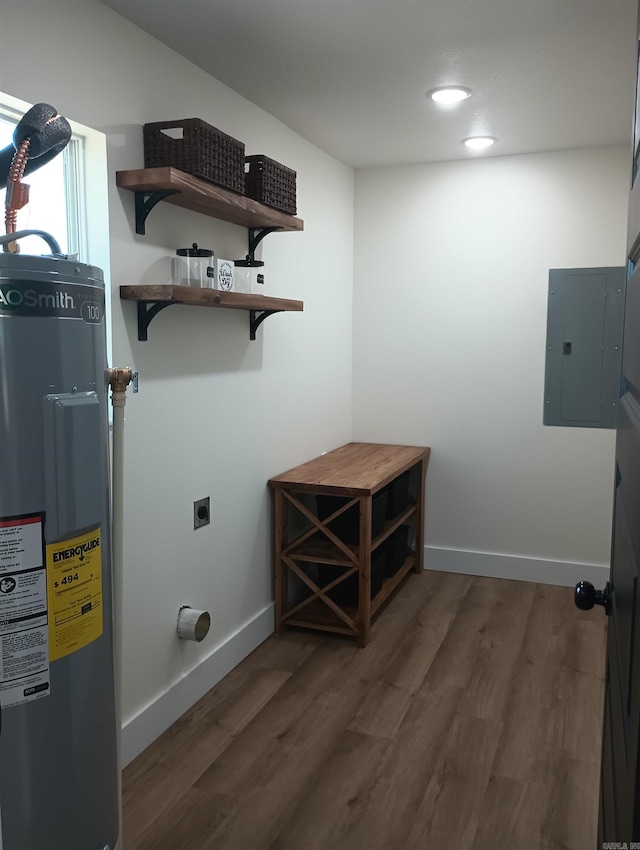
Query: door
{"x": 620, "y": 784}
{"x": 619, "y": 819}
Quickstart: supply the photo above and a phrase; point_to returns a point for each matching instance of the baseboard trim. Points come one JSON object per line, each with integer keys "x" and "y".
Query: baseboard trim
{"x": 149, "y": 723}
{"x": 565, "y": 573}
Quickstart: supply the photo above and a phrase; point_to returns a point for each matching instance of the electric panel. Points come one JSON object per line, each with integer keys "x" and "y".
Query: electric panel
{"x": 585, "y": 318}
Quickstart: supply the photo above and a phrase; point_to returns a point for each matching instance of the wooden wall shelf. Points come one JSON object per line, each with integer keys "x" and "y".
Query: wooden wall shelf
{"x": 355, "y": 472}
{"x": 152, "y": 299}
{"x": 153, "y": 185}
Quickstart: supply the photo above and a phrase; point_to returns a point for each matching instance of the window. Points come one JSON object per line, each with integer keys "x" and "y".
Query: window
{"x": 68, "y": 197}
{"x": 53, "y": 200}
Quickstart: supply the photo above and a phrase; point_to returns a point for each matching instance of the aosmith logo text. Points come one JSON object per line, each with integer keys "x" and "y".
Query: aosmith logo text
{"x": 60, "y": 300}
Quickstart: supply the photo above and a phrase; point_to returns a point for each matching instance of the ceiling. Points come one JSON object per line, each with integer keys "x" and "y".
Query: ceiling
{"x": 351, "y": 75}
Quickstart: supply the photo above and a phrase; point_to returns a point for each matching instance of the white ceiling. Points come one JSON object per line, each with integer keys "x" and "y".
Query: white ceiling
{"x": 351, "y": 75}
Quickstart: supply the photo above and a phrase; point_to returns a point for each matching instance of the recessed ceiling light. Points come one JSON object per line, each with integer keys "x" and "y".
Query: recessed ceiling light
{"x": 449, "y": 95}
{"x": 479, "y": 143}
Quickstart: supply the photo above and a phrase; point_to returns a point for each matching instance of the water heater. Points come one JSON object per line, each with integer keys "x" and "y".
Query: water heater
{"x": 58, "y": 751}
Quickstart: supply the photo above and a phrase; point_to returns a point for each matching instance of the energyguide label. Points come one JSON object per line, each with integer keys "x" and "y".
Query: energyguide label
{"x": 74, "y": 584}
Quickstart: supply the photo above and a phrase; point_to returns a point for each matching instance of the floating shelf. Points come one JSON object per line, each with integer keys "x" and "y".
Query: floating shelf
{"x": 152, "y": 299}
{"x": 153, "y": 185}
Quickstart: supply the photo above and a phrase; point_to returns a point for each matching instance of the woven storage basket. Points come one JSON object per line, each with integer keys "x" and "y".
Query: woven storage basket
{"x": 203, "y": 151}
{"x": 271, "y": 183}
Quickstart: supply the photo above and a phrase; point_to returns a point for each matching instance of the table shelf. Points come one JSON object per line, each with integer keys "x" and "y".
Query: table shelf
{"x": 316, "y": 614}
{"x": 319, "y": 549}
{"x": 355, "y": 472}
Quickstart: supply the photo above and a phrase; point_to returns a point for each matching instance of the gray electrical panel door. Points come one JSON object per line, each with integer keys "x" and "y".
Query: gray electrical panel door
{"x": 585, "y": 319}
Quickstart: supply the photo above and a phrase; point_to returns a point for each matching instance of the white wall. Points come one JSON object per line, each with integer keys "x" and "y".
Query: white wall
{"x": 216, "y": 414}
{"x": 450, "y": 297}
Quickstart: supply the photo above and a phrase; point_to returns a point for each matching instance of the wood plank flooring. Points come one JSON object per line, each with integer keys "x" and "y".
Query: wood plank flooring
{"x": 471, "y": 721}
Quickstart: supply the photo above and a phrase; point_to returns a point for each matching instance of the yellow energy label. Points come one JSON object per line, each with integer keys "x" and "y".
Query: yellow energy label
{"x": 74, "y": 593}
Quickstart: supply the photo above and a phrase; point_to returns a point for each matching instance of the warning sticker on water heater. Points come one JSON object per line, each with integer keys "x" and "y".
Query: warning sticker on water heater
{"x": 20, "y": 543}
{"x": 74, "y": 590}
{"x": 24, "y": 656}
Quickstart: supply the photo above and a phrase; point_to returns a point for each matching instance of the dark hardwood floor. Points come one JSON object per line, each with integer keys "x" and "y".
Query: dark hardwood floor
{"x": 471, "y": 721}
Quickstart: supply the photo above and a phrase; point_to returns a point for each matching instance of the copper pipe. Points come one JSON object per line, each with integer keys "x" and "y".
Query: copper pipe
{"x": 16, "y": 173}
{"x": 19, "y": 161}
{"x": 17, "y": 192}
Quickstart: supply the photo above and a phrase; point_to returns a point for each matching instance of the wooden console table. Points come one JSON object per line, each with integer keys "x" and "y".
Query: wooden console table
{"x": 355, "y": 473}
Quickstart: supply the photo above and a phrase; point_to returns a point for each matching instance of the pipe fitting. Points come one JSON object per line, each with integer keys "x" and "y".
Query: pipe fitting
{"x": 119, "y": 379}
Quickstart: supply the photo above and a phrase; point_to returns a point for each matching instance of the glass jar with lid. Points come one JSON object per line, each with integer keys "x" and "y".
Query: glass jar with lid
{"x": 190, "y": 267}
{"x": 249, "y": 276}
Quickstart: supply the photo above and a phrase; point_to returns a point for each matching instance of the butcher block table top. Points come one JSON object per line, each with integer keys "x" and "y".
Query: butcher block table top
{"x": 355, "y": 469}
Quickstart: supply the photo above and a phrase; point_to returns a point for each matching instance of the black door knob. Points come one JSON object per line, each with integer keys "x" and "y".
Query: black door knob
{"x": 586, "y": 596}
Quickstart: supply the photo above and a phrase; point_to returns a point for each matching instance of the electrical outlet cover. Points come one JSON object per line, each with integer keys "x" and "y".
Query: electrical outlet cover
{"x": 201, "y": 512}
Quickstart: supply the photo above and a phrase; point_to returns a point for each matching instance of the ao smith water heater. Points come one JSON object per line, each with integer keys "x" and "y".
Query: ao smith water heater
{"x": 59, "y": 786}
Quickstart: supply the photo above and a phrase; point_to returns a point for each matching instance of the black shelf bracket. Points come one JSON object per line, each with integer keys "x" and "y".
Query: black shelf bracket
{"x": 256, "y": 235}
{"x": 145, "y": 202}
{"x": 256, "y": 318}
{"x": 147, "y": 310}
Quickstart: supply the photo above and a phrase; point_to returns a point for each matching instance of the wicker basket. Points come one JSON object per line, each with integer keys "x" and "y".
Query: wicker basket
{"x": 271, "y": 183}
{"x": 203, "y": 151}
